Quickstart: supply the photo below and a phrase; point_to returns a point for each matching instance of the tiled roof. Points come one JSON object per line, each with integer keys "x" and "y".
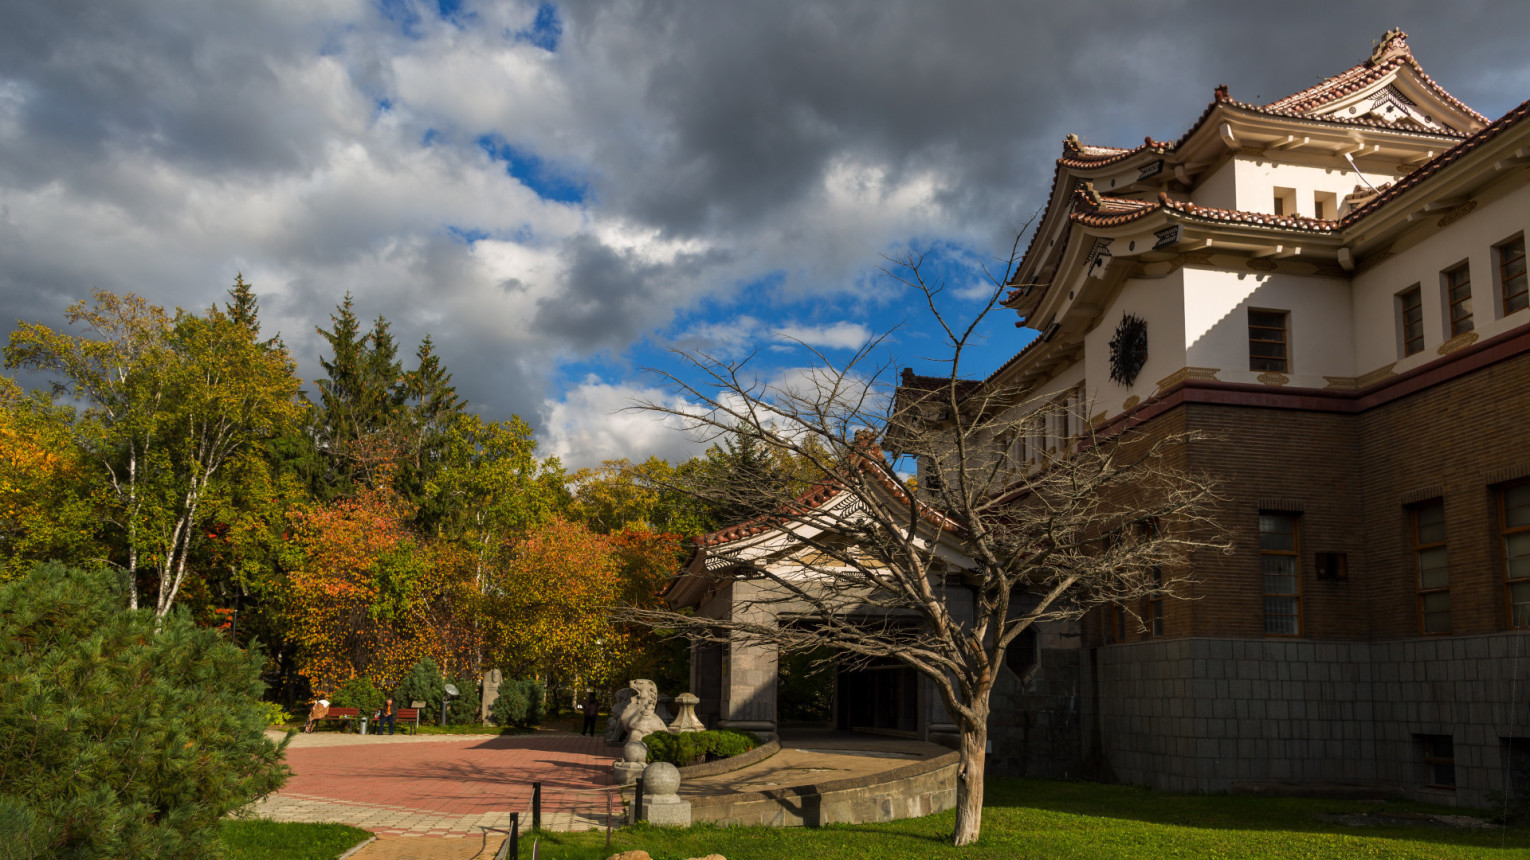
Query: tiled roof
{"x": 1097, "y": 210}
{"x": 1085, "y": 157}
{"x": 1440, "y": 162}
{"x": 869, "y": 456}
{"x": 1391, "y": 54}
{"x": 816, "y": 496}
{"x": 910, "y": 379}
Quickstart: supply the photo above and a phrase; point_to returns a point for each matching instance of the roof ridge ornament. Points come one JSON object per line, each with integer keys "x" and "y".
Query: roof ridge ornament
{"x": 1393, "y": 43}
{"x": 1220, "y": 94}
{"x": 1074, "y": 142}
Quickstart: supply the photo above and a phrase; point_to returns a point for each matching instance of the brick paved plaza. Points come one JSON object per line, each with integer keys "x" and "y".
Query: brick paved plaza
{"x": 444, "y": 786}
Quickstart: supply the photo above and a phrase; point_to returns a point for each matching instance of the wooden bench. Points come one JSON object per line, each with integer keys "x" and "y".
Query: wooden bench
{"x": 407, "y": 717}
{"x": 410, "y": 717}
{"x": 340, "y": 715}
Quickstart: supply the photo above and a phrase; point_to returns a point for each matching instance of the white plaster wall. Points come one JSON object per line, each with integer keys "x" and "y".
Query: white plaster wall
{"x": 1218, "y": 189}
{"x": 1257, "y": 178}
{"x": 1160, "y": 303}
{"x": 1377, "y": 340}
{"x": 1319, "y": 324}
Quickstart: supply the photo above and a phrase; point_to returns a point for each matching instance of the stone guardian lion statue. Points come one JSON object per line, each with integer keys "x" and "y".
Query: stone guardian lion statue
{"x": 638, "y": 718}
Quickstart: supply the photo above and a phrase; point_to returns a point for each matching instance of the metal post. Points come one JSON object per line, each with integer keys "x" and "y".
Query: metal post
{"x": 608, "y": 821}
{"x": 637, "y": 802}
{"x": 443, "y": 711}
{"x": 515, "y": 835}
{"x": 536, "y": 806}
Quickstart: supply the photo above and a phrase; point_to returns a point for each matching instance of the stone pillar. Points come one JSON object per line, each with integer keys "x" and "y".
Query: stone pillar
{"x": 630, "y": 766}
{"x": 661, "y": 800}
{"x": 749, "y": 688}
{"x": 491, "y": 682}
{"x": 687, "y": 721}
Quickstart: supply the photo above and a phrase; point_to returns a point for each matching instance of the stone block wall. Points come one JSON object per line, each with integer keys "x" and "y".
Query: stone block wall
{"x": 1034, "y": 729}
{"x": 1215, "y": 715}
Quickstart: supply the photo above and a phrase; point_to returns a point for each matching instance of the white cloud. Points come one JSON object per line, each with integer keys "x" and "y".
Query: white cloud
{"x": 840, "y": 335}
{"x": 599, "y": 421}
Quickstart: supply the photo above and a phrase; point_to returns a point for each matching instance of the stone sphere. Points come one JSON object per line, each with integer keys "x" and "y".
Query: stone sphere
{"x": 635, "y": 751}
{"x": 661, "y": 777}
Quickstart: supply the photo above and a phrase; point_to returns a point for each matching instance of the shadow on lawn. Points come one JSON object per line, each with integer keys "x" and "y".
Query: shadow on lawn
{"x": 1004, "y": 798}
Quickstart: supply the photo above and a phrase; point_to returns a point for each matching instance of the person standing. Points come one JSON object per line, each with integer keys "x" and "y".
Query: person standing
{"x": 591, "y": 707}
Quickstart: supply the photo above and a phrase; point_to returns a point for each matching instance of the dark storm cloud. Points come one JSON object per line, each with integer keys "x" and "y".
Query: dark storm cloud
{"x": 750, "y": 105}
{"x": 610, "y": 296}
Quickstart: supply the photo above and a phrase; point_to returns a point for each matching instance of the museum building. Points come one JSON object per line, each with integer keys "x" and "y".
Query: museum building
{"x": 1332, "y": 289}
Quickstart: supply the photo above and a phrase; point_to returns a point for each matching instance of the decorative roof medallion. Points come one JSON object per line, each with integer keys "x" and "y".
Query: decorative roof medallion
{"x": 1128, "y": 349}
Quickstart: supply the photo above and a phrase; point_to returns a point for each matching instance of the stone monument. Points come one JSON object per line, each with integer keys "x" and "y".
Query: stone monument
{"x": 630, "y": 766}
{"x": 661, "y": 800}
{"x": 614, "y": 728}
{"x": 687, "y": 721}
{"x": 638, "y": 718}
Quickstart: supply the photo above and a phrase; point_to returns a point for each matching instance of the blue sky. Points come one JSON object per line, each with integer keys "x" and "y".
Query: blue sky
{"x": 562, "y": 193}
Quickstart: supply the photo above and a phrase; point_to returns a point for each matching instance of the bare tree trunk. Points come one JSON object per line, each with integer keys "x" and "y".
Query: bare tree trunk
{"x": 969, "y": 781}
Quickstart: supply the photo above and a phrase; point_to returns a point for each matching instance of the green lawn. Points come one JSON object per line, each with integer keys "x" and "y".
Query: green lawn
{"x": 1035, "y": 819}
{"x": 255, "y": 839}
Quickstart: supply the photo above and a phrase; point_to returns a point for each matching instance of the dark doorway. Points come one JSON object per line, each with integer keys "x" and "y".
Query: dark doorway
{"x": 881, "y": 697}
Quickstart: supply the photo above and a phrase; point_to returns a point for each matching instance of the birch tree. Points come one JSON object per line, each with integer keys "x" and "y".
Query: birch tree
{"x": 166, "y": 402}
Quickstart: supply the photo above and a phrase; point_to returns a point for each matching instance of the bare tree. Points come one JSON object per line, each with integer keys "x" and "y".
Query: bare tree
{"x": 1023, "y": 513}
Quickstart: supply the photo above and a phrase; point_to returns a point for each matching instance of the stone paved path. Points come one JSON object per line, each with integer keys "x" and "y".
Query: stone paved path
{"x": 442, "y": 785}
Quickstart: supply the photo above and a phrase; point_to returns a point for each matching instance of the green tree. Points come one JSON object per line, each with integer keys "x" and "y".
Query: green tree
{"x": 126, "y": 734}
{"x": 493, "y": 488}
{"x": 169, "y": 403}
{"x": 45, "y": 506}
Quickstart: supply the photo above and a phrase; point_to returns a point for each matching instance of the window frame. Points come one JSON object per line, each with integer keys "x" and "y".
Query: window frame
{"x": 1418, "y": 549}
{"x": 1504, "y": 531}
{"x": 1501, "y": 262}
{"x": 1294, "y": 553}
{"x": 1285, "y": 342}
{"x": 1410, "y": 345}
{"x": 1433, "y": 760}
{"x": 1458, "y": 323}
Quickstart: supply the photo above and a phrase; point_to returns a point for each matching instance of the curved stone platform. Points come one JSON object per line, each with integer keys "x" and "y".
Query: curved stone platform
{"x": 827, "y": 778}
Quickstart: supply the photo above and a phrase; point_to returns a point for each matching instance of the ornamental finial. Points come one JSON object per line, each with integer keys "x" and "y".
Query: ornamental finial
{"x": 1393, "y": 43}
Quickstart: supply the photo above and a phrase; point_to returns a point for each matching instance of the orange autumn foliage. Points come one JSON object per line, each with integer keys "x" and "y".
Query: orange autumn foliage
{"x": 366, "y": 596}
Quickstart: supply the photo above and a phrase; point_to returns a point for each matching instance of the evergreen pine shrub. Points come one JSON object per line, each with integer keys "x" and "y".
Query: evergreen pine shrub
{"x": 359, "y": 693}
{"x": 510, "y": 708}
{"x": 464, "y": 709}
{"x": 536, "y": 698}
{"x": 121, "y": 734}
{"x": 424, "y": 683}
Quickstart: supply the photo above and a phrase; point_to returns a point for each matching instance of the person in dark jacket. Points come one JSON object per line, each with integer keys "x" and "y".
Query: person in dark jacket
{"x": 590, "y": 707}
{"x": 386, "y": 714}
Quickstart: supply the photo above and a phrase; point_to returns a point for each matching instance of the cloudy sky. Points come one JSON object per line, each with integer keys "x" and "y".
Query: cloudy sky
{"x": 561, "y": 192}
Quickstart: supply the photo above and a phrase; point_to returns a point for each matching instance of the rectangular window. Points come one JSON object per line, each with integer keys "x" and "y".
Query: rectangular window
{"x": 1280, "y": 564}
{"x": 1430, "y": 563}
{"x": 1511, "y": 276}
{"x": 1514, "y": 522}
{"x": 1410, "y": 317}
{"x": 1267, "y": 341}
{"x": 1439, "y": 760}
{"x": 1458, "y": 298}
{"x": 1285, "y": 201}
{"x": 1325, "y": 204}
{"x": 1118, "y": 623}
{"x": 1155, "y": 605}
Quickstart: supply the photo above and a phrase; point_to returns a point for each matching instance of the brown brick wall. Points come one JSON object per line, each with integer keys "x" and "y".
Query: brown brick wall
{"x": 1459, "y": 436}
{"x": 1352, "y": 475}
